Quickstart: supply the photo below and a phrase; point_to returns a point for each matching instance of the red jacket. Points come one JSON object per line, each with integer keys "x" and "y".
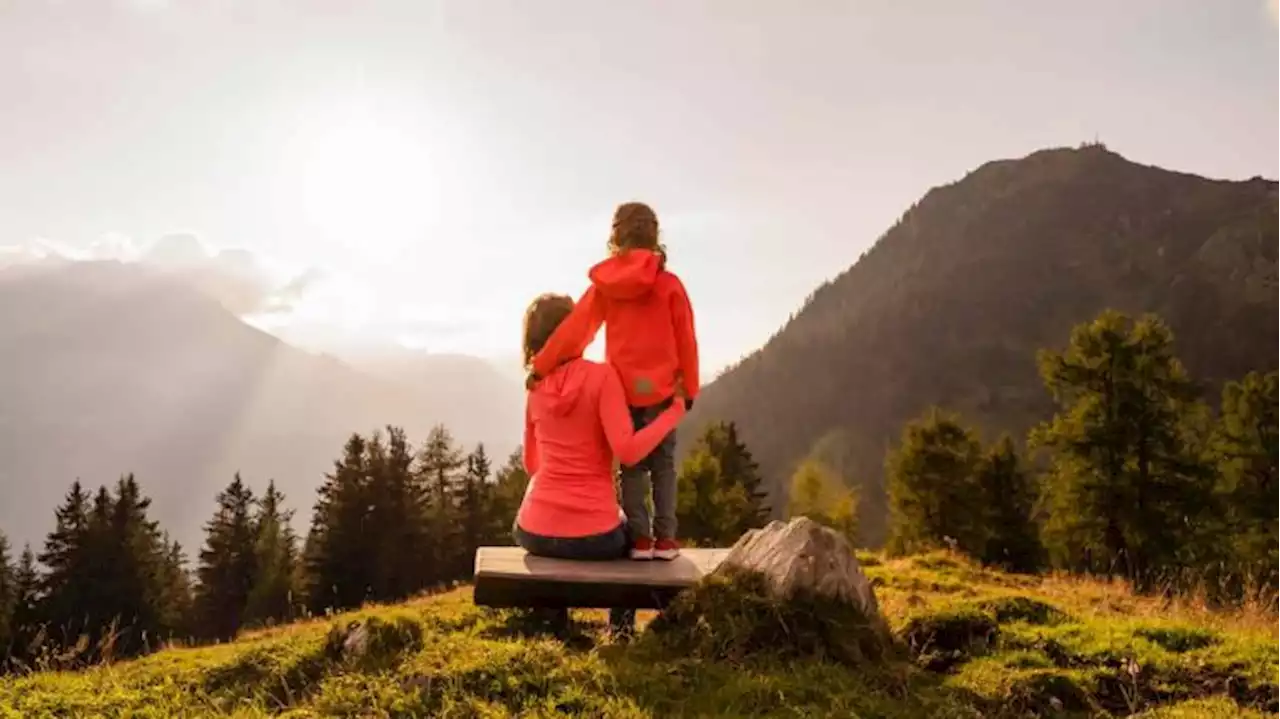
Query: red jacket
{"x": 576, "y": 423}
{"x": 649, "y": 336}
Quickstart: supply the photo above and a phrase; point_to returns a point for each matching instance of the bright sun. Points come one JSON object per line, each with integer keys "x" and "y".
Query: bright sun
{"x": 359, "y": 178}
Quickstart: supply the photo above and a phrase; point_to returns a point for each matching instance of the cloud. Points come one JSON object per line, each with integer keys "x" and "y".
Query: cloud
{"x": 242, "y": 281}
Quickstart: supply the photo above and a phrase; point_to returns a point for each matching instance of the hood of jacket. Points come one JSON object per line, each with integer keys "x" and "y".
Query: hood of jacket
{"x": 558, "y": 393}
{"x": 628, "y": 275}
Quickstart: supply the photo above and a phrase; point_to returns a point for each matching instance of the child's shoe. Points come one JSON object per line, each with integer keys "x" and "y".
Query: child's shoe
{"x": 642, "y": 548}
{"x": 666, "y": 549}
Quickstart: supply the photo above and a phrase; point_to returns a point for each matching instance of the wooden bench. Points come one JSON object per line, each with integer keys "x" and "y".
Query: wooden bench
{"x": 511, "y": 577}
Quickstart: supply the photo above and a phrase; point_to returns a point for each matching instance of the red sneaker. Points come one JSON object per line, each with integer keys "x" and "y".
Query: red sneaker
{"x": 642, "y": 548}
{"x": 666, "y": 549}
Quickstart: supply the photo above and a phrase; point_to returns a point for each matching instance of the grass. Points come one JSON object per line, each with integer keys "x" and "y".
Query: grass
{"x": 968, "y": 642}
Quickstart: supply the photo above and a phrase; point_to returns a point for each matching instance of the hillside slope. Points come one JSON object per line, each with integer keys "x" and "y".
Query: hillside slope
{"x": 108, "y": 368}
{"x": 950, "y": 306}
{"x": 976, "y": 643}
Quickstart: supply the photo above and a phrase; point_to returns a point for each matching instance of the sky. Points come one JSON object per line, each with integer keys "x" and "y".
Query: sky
{"x": 416, "y": 172}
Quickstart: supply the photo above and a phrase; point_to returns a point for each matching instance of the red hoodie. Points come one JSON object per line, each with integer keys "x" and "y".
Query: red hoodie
{"x": 576, "y": 422}
{"x": 649, "y": 334}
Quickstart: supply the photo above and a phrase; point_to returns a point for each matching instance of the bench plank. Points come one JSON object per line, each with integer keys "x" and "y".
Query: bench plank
{"x": 511, "y": 577}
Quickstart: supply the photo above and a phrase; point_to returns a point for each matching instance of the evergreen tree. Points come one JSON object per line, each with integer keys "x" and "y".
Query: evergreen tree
{"x": 819, "y": 494}
{"x": 1128, "y": 488}
{"x": 137, "y": 554}
{"x": 65, "y": 585}
{"x": 1014, "y": 541}
{"x": 1246, "y": 448}
{"x": 8, "y": 596}
{"x": 276, "y": 588}
{"x": 397, "y": 529}
{"x": 440, "y": 464}
{"x": 177, "y": 604}
{"x": 510, "y": 484}
{"x": 709, "y": 509}
{"x": 739, "y": 477}
{"x": 228, "y": 563}
{"x": 340, "y": 574}
{"x": 935, "y": 497}
{"x": 26, "y": 622}
{"x": 473, "y": 498}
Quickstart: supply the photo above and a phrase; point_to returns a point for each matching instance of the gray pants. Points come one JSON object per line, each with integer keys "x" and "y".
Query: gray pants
{"x": 657, "y": 470}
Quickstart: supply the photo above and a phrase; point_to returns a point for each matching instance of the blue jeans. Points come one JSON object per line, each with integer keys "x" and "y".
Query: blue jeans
{"x": 657, "y": 470}
{"x": 614, "y": 544}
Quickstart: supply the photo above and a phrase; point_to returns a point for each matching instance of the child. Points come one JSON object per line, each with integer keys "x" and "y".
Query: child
{"x": 649, "y": 339}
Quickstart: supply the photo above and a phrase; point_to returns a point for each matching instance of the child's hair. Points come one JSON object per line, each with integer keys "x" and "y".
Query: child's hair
{"x": 544, "y": 315}
{"x": 635, "y": 227}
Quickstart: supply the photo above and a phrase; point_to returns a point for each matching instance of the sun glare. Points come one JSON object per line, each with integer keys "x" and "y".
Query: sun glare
{"x": 361, "y": 178}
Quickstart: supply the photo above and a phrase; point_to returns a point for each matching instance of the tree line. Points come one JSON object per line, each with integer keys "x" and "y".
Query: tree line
{"x": 389, "y": 520}
{"x": 1133, "y": 476}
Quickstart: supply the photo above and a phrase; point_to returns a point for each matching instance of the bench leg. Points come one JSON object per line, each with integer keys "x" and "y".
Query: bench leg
{"x": 622, "y": 623}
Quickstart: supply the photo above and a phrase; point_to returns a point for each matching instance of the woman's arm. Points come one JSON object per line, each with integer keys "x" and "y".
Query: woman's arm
{"x": 628, "y": 445}
{"x": 573, "y": 335}
{"x": 530, "y": 443}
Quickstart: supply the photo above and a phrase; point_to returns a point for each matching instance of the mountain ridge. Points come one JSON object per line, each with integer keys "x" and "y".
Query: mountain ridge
{"x": 950, "y": 304}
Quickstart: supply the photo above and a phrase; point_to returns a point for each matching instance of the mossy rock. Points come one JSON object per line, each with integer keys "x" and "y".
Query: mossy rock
{"x": 734, "y": 614}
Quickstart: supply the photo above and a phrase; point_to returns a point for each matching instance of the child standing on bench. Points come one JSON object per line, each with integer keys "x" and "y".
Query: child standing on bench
{"x": 650, "y": 340}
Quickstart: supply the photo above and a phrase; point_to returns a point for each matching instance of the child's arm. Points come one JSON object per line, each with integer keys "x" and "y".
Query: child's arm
{"x": 686, "y": 341}
{"x": 628, "y": 445}
{"x": 530, "y": 444}
{"x": 573, "y": 335}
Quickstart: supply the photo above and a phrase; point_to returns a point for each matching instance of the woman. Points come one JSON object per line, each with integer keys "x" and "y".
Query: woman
{"x": 576, "y": 423}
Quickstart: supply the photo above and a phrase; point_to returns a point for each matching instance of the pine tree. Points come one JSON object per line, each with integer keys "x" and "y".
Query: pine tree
{"x": 276, "y": 588}
{"x": 1014, "y": 541}
{"x": 934, "y": 494}
{"x": 26, "y": 622}
{"x": 819, "y": 494}
{"x": 510, "y": 484}
{"x": 1128, "y": 488}
{"x": 137, "y": 552}
{"x": 1246, "y": 443}
{"x": 8, "y": 597}
{"x": 473, "y": 498}
{"x": 397, "y": 529}
{"x": 65, "y": 586}
{"x": 339, "y": 572}
{"x": 227, "y": 563}
{"x": 739, "y": 477}
{"x": 177, "y": 603}
{"x": 439, "y": 466}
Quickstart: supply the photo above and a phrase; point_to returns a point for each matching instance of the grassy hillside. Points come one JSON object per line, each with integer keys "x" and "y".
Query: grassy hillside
{"x": 951, "y": 304}
{"x": 975, "y": 643}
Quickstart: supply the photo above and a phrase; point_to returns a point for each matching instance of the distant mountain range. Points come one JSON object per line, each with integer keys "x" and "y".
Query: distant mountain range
{"x": 108, "y": 368}
{"x": 950, "y": 305}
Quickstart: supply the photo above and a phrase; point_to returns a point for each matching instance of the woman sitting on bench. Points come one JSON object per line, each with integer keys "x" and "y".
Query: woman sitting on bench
{"x": 576, "y": 423}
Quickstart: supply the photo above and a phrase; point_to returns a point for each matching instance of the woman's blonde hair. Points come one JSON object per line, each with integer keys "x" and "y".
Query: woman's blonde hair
{"x": 541, "y": 319}
{"x": 635, "y": 227}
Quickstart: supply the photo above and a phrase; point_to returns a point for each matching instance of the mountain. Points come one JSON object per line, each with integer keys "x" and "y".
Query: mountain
{"x": 110, "y": 368}
{"x": 950, "y": 305}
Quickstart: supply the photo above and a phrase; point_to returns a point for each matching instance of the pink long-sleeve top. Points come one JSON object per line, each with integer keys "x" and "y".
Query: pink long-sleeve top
{"x": 576, "y": 423}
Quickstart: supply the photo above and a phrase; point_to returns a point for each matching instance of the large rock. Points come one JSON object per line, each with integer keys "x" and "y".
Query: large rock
{"x": 804, "y": 556}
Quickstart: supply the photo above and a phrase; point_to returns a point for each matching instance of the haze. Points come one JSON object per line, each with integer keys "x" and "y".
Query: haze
{"x": 414, "y": 173}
